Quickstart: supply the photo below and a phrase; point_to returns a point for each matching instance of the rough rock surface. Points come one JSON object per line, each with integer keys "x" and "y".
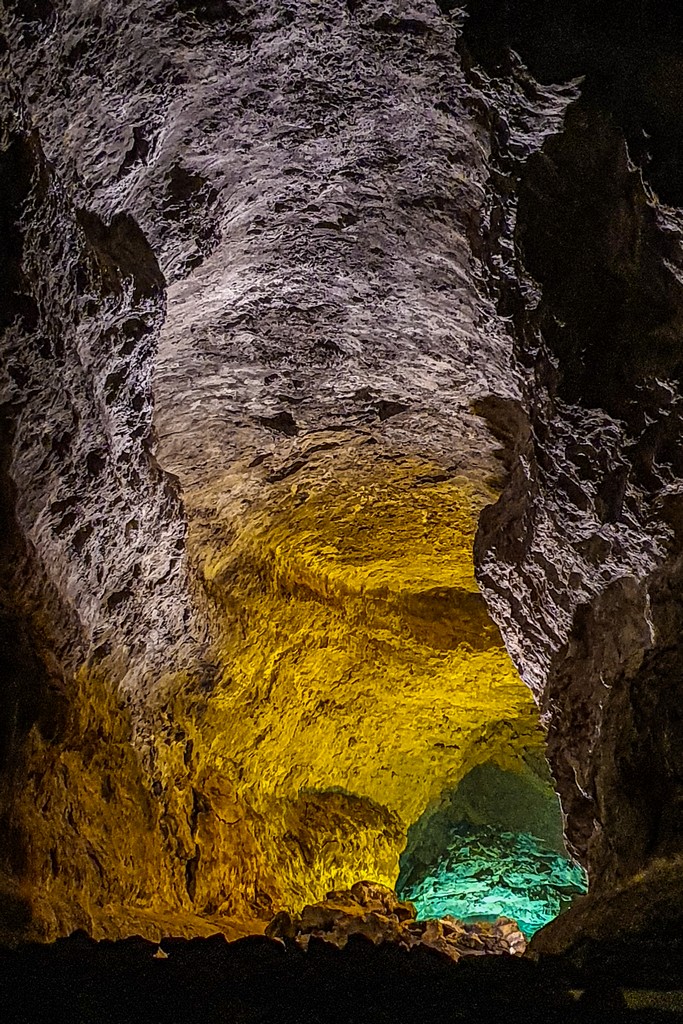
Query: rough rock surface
{"x": 374, "y": 911}
{"x": 76, "y": 414}
{"x": 402, "y": 278}
{"x": 309, "y": 182}
{"x": 580, "y": 559}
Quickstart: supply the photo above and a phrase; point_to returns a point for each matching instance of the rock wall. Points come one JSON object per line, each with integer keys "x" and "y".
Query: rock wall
{"x": 77, "y": 816}
{"x": 412, "y": 296}
{"x": 287, "y": 667}
{"x": 579, "y": 561}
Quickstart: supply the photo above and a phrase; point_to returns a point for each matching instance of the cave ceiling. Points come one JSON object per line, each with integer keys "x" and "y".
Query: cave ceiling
{"x": 339, "y": 446}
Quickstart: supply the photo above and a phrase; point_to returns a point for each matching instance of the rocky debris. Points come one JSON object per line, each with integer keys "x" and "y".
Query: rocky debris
{"x": 375, "y": 911}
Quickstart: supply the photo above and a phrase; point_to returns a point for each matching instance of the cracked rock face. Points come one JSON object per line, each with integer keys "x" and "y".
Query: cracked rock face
{"x": 304, "y": 297}
{"x": 580, "y": 559}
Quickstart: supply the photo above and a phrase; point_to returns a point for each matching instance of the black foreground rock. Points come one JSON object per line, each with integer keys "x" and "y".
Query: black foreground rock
{"x": 256, "y": 980}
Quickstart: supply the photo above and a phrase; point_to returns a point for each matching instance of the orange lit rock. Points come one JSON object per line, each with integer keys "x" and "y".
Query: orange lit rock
{"x": 373, "y": 911}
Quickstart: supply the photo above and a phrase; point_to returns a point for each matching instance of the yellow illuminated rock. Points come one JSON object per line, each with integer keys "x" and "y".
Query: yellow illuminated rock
{"x": 353, "y": 676}
{"x": 360, "y": 674}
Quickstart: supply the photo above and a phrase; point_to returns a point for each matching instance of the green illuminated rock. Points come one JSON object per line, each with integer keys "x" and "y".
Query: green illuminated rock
{"x": 487, "y": 872}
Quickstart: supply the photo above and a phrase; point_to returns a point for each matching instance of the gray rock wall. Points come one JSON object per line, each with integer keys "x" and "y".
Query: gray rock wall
{"x": 376, "y": 254}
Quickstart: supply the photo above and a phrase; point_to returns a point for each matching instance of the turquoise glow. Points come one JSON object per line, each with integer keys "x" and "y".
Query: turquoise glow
{"x": 486, "y": 872}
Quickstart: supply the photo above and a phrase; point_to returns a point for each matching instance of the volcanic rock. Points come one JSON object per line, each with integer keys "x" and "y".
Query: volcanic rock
{"x": 374, "y": 911}
{"x": 340, "y": 412}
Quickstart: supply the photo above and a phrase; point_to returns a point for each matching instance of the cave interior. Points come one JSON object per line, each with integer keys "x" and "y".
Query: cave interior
{"x": 341, "y": 485}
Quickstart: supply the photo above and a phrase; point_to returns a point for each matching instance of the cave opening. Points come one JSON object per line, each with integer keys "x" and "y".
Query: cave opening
{"x": 360, "y": 676}
{"x": 378, "y": 729}
{"x": 491, "y": 847}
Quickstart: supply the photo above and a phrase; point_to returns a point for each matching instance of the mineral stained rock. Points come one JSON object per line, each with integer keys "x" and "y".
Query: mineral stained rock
{"x": 340, "y": 368}
{"x": 373, "y": 911}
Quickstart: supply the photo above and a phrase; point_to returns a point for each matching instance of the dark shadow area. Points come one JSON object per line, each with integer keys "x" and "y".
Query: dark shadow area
{"x": 257, "y": 980}
{"x": 631, "y": 54}
{"x": 612, "y": 307}
{"x": 592, "y": 226}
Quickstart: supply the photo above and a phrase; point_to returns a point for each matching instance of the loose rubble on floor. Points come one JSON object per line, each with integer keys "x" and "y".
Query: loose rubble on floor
{"x": 375, "y": 911}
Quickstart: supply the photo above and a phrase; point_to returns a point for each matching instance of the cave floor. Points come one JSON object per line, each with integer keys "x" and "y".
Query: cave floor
{"x": 116, "y": 922}
{"x": 255, "y": 980}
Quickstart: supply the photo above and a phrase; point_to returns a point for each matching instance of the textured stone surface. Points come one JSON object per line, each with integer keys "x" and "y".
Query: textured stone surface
{"x": 580, "y": 559}
{"x": 309, "y": 183}
{"x": 398, "y": 284}
{"x": 84, "y": 589}
{"x": 373, "y": 911}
